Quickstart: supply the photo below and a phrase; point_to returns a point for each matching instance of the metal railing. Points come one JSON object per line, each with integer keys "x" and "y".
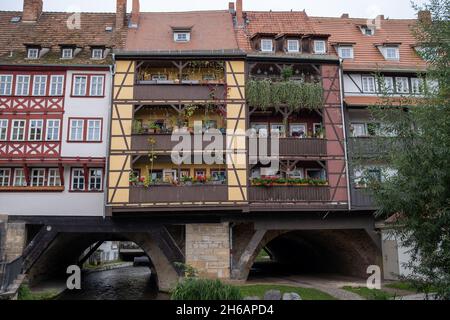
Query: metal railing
{"x": 9, "y": 271}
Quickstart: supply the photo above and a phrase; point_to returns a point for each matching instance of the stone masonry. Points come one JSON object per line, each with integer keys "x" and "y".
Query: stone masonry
{"x": 208, "y": 249}
{"x": 15, "y": 240}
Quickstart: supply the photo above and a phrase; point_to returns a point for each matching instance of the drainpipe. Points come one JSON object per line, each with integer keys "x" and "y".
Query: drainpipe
{"x": 341, "y": 80}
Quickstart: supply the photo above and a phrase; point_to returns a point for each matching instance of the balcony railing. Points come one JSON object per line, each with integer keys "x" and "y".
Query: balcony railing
{"x": 176, "y": 194}
{"x": 163, "y": 142}
{"x": 362, "y": 198}
{"x": 289, "y": 194}
{"x": 181, "y": 91}
{"x": 291, "y": 147}
{"x": 369, "y": 146}
{"x": 33, "y": 149}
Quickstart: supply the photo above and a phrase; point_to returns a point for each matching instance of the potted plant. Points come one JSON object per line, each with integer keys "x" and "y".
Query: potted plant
{"x": 133, "y": 179}
{"x": 186, "y": 180}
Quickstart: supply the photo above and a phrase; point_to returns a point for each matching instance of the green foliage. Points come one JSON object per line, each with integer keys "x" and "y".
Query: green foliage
{"x": 293, "y": 94}
{"x": 268, "y": 182}
{"x": 305, "y": 293}
{"x": 418, "y": 196}
{"x": 370, "y": 294}
{"x": 205, "y": 289}
{"x": 25, "y": 293}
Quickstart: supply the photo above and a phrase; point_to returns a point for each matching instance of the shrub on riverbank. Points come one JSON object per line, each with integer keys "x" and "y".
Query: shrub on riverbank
{"x": 205, "y": 289}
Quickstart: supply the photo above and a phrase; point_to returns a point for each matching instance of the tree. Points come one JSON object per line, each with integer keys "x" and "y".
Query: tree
{"x": 417, "y": 198}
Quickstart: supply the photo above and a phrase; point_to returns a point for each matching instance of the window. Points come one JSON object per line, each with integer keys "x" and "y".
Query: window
{"x": 320, "y": 46}
{"x": 97, "y": 53}
{"x": 391, "y": 53}
{"x": 261, "y": 129}
{"x": 35, "y": 130}
{"x": 67, "y": 53}
{"x": 199, "y": 173}
{"x": 298, "y": 130}
{"x": 358, "y": 129}
{"x": 218, "y": 175}
{"x": 56, "y": 85}
{"x": 368, "y": 31}
{"x": 182, "y": 36}
{"x": 159, "y": 77}
{"x": 402, "y": 84}
{"x": 209, "y": 77}
{"x": 77, "y": 180}
{"x": 278, "y": 129}
{"x": 417, "y": 85}
{"x": 19, "y": 178}
{"x": 22, "y": 85}
{"x": 79, "y": 88}
{"x": 266, "y": 45}
{"x": 3, "y": 129}
{"x": 54, "y": 180}
{"x": 37, "y": 177}
{"x": 368, "y": 84}
{"x": 346, "y": 52}
{"x": 39, "y": 85}
{"x": 5, "y": 85}
{"x": 4, "y": 177}
{"x": 170, "y": 175}
{"x": 33, "y": 53}
{"x": 94, "y": 130}
{"x": 18, "y": 130}
{"x": 52, "y": 130}
{"x": 293, "y": 46}
{"x": 318, "y": 130}
{"x": 316, "y": 174}
{"x": 76, "y": 130}
{"x": 388, "y": 84}
{"x": 156, "y": 176}
{"x": 95, "y": 179}
{"x": 97, "y": 86}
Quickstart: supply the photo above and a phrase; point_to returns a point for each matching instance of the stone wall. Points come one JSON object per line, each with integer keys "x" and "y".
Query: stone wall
{"x": 3, "y": 222}
{"x": 208, "y": 249}
{"x": 14, "y": 242}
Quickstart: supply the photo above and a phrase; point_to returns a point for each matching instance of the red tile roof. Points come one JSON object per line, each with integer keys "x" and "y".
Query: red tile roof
{"x": 366, "y": 55}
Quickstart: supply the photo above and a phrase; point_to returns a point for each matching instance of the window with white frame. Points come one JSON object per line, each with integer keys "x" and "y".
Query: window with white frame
{"x": 5, "y": 85}
{"x": 3, "y": 129}
{"x": 316, "y": 174}
{"x": 39, "y": 85}
{"x": 293, "y": 46}
{"x": 77, "y": 183}
{"x": 94, "y": 130}
{"x": 262, "y": 129}
{"x": 358, "y": 129}
{"x": 159, "y": 77}
{"x": 389, "y": 84}
{"x": 76, "y": 129}
{"x": 278, "y": 129}
{"x": 417, "y": 85}
{"x": 56, "y": 85}
{"x": 33, "y": 53}
{"x": 67, "y": 53}
{"x": 95, "y": 179}
{"x": 368, "y": 84}
{"x": 96, "y": 86}
{"x": 320, "y": 46}
{"x": 19, "y": 178}
{"x": 181, "y": 36}
{"x": 346, "y": 52}
{"x": 97, "y": 53}
{"x": 79, "y": 87}
{"x": 4, "y": 177}
{"x": 402, "y": 84}
{"x": 18, "y": 130}
{"x": 54, "y": 179}
{"x": 391, "y": 53}
{"x": 53, "y": 126}
{"x": 35, "y": 129}
{"x": 22, "y": 85}
{"x": 266, "y": 45}
{"x": 37, "y": 177}
{"x": 298, "y": 130}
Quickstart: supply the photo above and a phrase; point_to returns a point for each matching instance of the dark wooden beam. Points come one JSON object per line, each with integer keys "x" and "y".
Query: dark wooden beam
{"x": 37, "y": 246}
{"x": 89, "y": 253}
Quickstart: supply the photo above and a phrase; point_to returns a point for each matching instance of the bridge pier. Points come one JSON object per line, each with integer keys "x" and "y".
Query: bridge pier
{"x": 13, "y": 238}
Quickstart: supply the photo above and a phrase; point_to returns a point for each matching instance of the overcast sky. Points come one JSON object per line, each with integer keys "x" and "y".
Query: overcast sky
{"x": 356, "y": 8}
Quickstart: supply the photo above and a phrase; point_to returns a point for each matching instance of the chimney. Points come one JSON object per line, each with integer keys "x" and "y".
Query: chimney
{"x": 135, "y": 14}
{"x": 121, "y": 14}
{"x": 231, "y": 7}
{"x": 380, "y": 17}
{"x": 239, "y": 14}
{"x": 424, "y": 16}
{"x": 32, "y": 10}
{"x": 345, "y": 16}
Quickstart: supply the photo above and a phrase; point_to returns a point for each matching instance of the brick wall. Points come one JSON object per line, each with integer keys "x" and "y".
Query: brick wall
{"x": 208, "y": 249}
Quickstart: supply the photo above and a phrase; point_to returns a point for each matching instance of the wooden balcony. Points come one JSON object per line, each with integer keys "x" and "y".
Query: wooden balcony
{"x": 175, "y": 92}
{"x": 289, "y": 194}
{"x": 30, "y": 149}
{"x": 369, "y": 147}
{"x": 162, "y": 142}
{"x": 177, "y": 194}
{"x": 299, "y": 147}
{"x": 362, "y": 198}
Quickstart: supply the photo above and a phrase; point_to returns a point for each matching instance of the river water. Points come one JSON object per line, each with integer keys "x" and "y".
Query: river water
{"x": 130, "y": 283}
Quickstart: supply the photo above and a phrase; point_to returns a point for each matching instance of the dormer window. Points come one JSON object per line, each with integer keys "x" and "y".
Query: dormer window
{"x": 266, "y": 45}
{"x": 368, "y": 31}
{"x": 97, "y": 53}
{"x": 320, "y": 47}
{"x": 391, "y": 53}
{"x": 67, "y": 53}
{"x": 181, "y": 36}
{"x": 32, "y": 53}
{"x": 346, "y": 52}
{"x": 293, "y": 46}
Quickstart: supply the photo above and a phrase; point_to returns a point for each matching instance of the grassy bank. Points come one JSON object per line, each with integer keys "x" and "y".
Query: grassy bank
{"x": 26, "y": 294}
{"x": 370, "y": 294}
{"x": 305, "y": 293}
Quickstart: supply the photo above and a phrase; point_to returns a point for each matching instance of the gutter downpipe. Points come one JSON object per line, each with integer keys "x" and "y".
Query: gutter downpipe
{"x": 341, "y": 80}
